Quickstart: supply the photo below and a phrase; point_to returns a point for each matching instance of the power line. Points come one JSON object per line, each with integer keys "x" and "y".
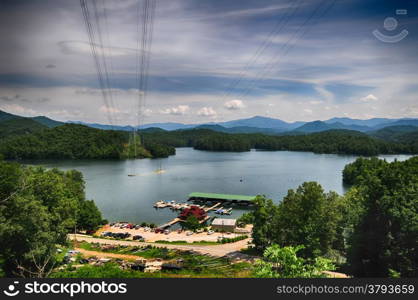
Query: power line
{"x": 290, "y": 43}
{"x": 281, "y": 23}
{"x": 91, "y": 37}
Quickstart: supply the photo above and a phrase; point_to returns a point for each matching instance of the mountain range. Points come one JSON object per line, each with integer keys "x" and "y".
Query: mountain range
{"x": 257, "y": 124}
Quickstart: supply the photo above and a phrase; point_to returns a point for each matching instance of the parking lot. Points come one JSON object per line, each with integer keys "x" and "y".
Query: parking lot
{"x": 124, "y": 231}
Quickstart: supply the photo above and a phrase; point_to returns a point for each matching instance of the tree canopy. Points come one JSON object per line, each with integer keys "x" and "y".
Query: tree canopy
{"x": 38, "y": 207}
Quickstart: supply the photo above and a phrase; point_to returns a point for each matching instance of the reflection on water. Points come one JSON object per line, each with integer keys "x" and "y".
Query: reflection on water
{"x": 130, "y": 198}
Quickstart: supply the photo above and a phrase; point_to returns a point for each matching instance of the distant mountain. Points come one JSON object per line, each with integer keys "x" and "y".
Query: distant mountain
{"x": 47, "y": 121}
{"x": 315, "y": 126}
{"x": 257, "y": 124}
{"x": 400, "y": 122}
{"x": 369, "y": 122}
{"x": 262, "y": 122}
{"x": 239, "y": 129}
{"x": 104, "y": 127}
{"x": 318, "y": 126}
{"x": 169, "y": 126}
{"x": 4, "y": 116}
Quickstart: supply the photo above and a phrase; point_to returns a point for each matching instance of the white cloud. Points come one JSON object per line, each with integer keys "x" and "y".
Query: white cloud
{"x": 234, "y": 104}
{"x": 369, "y": 98}
{"x": 315, "y": 102}
{"x": 207, "y": 112}
{"x": 18, "y": 109}
{"x": 107, "y": 109}
{"x": 308, "y": 111}
{"x": 178, "y": 110}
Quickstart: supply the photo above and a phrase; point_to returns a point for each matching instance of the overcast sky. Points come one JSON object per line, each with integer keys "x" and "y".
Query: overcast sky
{"x": 320, "y": 60}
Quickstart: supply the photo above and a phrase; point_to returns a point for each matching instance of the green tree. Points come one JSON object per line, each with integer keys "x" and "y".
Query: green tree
{"x": 89, "y": 217}
{"x": 309, "y": 216}
{"x": 285, "y": 263}
{"x": 191, "y": 223}
{"x": 384, "y": 237}
{"x": 38, "y": 208}
{"x": 265, "y": 222}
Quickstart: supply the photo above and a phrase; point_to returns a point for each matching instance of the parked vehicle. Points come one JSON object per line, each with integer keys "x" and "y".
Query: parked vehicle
{"x": 211, "y": 232}
{"x": 138, "y": 238}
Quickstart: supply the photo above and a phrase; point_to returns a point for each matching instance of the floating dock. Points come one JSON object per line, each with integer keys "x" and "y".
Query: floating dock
{"x": 223, "y": 198}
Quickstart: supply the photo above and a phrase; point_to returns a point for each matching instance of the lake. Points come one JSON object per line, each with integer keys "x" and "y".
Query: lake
{"x": 271, "y": 173}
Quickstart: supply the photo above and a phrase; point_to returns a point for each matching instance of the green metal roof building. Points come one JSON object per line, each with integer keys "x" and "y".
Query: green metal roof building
{"x": 221, "y": 197}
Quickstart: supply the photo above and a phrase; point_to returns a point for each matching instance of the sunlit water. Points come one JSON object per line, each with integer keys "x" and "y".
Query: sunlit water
{"x": 130, "y": 198}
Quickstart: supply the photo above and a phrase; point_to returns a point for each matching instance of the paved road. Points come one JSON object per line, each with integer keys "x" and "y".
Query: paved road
{"x": 230, "y": 249}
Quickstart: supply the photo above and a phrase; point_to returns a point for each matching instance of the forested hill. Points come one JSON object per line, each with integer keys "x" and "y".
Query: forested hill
{"x": 76, "y": 142}
{"x": 79, "y": 141}
{"x": 19, "y": 126}
{"x": 332, "y": 141}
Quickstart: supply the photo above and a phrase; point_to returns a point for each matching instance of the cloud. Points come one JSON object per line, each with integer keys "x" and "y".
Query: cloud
{"x": 316, "y": 102}
{"x": 110, "y": 110}
{"x": 234, "y": 105}
{"x": 19, "y": 98}
{"x": 93, "y": 91}
{"x": 206, "y": 112}
{"x": 178, "y": 110}
{"x": 19, "y": 110}
{"x": 308, "y": 111}
{"x": 50, "y": 66}
{"x": 369, "y": 98}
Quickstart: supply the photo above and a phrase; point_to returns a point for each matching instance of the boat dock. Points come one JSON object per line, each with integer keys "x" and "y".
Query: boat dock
{"x": 223, "y": 198}
{"x": 177, "y": 220}
{"x": 172, "y": 204}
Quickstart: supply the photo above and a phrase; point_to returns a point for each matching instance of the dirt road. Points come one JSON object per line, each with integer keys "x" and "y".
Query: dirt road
{"x": 229, "y": 250}
{"x": 90, "y": 253}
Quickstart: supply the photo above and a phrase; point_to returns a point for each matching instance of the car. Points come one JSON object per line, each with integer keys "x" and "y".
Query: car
{"x": 166, "y": 231}
{"x": 66, "y": 259}
{"x": 83, "y": 261}
{"x": 189, "y": 233}
{"x": 137, "y": 226}
{"x": 138, "y": 237}
{"x": 211, "y": 232}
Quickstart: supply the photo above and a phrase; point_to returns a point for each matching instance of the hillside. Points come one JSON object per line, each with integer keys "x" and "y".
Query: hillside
{"x": 72, "y": 141}
{"x": 19, "y": 126}
{"x": 332, "y": 141}
{"x": 5, "y": 116}
{"x": 394, "y": 133}
{"x": 47, "y": 121}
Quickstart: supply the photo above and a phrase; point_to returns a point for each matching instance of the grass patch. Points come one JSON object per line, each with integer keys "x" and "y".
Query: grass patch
{"x": 194, "y": 265}
{"x": 145, "y": 252}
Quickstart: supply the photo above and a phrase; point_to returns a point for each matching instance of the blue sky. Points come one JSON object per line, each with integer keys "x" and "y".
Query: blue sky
{"x": 321, "y": 61}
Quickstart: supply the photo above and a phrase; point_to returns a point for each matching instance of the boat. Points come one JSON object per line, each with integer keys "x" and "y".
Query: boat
{"x": 222, "y": 211}
{"x": 160, "y": 204}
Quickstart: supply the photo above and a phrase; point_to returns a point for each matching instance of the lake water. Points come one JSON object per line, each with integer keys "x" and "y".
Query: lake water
{"x": 124, "y": 198}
